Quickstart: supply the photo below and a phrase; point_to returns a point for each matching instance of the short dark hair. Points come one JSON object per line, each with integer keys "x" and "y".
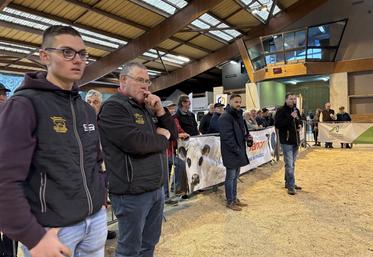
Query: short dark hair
{"x": 55, "y": 30}
{"x": 234, "y": 96}
{"x": 182, "y": 99}
{"x": 288, "y": 94}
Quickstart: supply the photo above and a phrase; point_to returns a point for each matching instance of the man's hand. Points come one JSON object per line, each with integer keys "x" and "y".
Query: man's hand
{"x": 153, "y": 102}
{"x": 294, "y": 114}
{"x": 184, "y": 136}
{"x": 164, "y": 132}
{"x": 50, "y": 246}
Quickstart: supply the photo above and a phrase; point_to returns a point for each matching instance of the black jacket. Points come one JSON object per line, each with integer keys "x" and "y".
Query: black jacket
{"x": 187, "y": 122}
{"x": 287, "y": 125}
{"x": 232, "y": 138}
{"x": 214, "y": 123}
{"x": 326, "y": 115}
{"x": 135, "y": 155}
{"x": 343, "y": 117}
{"x": 205, "y": 123}
{"x": 50, "y": 159}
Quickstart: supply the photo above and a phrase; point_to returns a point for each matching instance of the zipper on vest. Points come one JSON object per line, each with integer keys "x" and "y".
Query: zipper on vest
{"x": 43, "y": 186}
{"x": 81, "y": 160}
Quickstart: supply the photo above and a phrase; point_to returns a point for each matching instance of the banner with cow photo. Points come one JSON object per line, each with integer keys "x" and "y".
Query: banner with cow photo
{"x": 204, "y": 165}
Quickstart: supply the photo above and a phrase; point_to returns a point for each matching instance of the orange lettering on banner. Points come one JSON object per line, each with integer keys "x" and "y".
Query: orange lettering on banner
{"x": 257, "y": 145}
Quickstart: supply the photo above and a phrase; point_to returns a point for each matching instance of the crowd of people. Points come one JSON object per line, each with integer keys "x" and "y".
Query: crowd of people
{"x": 62, "y": 158}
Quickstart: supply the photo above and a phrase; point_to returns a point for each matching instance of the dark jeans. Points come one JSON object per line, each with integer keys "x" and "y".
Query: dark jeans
{"x": 230, "y": 184}
{"x": 139, "y": 222}
{"x": 8, "y": 247}
{"x": 180, "y": 179}
{"x": 290, "y": 155}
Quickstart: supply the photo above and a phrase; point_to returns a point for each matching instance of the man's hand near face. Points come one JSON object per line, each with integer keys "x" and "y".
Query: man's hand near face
{"x": 153, "y": 102}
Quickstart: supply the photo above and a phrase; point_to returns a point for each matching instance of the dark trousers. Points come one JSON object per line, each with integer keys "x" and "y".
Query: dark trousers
{"x": 8, "y": 247}
{"x": 139, "y": 222}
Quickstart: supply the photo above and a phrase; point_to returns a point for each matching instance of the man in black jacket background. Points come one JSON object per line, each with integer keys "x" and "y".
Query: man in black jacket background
{"x": 288, "y": 123}
{"x": 135, "y": 130}
{"x": 186, "y": 118}
{"x": 233, "y": 149}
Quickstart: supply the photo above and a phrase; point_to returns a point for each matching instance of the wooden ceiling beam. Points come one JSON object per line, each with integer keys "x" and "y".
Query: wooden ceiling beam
{"x": 120, "y": 19}
{"x": 148, "y": 40}
{"x": 4, "y": 3}
{"x": 275, "y": 25}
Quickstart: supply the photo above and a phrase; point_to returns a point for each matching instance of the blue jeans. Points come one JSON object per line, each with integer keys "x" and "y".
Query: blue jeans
{"x": 231, "y": 184}
{"x": 86, "y": 238}
{"x": 290, "y": 155}
{"x": 139, "y": 222}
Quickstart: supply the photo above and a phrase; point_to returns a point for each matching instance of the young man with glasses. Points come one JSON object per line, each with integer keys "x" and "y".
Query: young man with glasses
{"x": 51, "y": 197}
{"x": 135, "y": 130}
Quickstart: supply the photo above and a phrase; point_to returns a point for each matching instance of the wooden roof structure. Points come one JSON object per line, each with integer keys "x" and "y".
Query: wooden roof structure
{"x": 173, "y": 38}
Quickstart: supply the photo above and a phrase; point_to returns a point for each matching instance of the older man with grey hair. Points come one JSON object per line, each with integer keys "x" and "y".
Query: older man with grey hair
{"x": 94, "y": 99}
{"x": 135, "y": 130}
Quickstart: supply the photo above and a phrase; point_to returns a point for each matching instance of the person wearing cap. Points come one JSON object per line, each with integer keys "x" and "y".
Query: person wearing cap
{"x": 343, "y": 116}
{"x": 214, "y": 123}
{"x": 3, "y": 93}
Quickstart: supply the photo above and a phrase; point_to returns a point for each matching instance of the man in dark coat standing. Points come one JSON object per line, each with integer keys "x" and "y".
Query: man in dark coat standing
{"x": 233, "y": 149}
{"x": 327, "y": 115}
{"x": 288, "y": 123}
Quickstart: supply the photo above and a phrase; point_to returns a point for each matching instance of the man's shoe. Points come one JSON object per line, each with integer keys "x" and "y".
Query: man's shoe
{"x": 171, "y": 202}
{"x": 234, "y": 207}
{"x": 297, "y": 187}
{"x": 291, "y": 191}
{"x": 111, "y": 234}
{"x": 239, "y": 203}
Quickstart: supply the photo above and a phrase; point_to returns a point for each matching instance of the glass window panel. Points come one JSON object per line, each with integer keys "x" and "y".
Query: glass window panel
{"x": 161, "y": 6}
{"x": 221, "y": 35}
{"x": 274, "y": 58}
{"x": 321, "y": 54}
{"x": 259, "y": 63}
{"x": 255, "y": 51}
{"x": 200, "y": 24}
{"x": 293, "y": 56}
{"x": 209, "y": 19}
{"x": 295, "y": 39}
{"x": 179, "y": 3}
{"x": 326, "y": 35}
{"x": 273, "y": 43}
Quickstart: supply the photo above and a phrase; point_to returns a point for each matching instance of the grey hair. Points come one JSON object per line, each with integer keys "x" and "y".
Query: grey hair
{"x": 127, "y": 67}
{"x": 93, "y": 92}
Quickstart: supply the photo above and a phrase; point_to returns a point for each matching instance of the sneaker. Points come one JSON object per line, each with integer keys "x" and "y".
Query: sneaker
{"x": 291, "y": 191}
{"x": 171, "y": 202}
{"x": 111, "y": 234}
{"x": 239, "y": 203}
{"x": 233, "y": 207}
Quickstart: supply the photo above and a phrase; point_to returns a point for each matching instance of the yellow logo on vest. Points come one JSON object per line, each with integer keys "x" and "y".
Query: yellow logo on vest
{"x": 139, "y": 119}
{"x": 59, "y": 124}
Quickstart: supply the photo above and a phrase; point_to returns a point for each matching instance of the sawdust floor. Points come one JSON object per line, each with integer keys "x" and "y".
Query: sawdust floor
{"x": 331, "y": 216}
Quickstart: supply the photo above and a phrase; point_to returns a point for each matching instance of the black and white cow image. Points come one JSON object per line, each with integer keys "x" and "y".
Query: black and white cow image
{"x": 203, "y": 161}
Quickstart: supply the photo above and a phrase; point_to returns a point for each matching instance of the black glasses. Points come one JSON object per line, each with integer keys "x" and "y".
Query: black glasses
{"x": 141, "y": 80}
{"x": 69, "y": 54}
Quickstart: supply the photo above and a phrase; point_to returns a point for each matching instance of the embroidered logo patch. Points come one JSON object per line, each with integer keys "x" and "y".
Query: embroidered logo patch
{"x": 59, "y": 124}
{"x": 88, "y": 127}
{"x": 139, "y": 119}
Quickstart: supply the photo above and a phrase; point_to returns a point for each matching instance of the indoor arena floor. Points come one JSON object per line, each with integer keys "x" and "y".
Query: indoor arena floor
{"x": 331, "y": 216}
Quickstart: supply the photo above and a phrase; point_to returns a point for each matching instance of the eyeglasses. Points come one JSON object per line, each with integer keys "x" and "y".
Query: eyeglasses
{"x": 141, "y": 80}
{"x": 69, "y": 54}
